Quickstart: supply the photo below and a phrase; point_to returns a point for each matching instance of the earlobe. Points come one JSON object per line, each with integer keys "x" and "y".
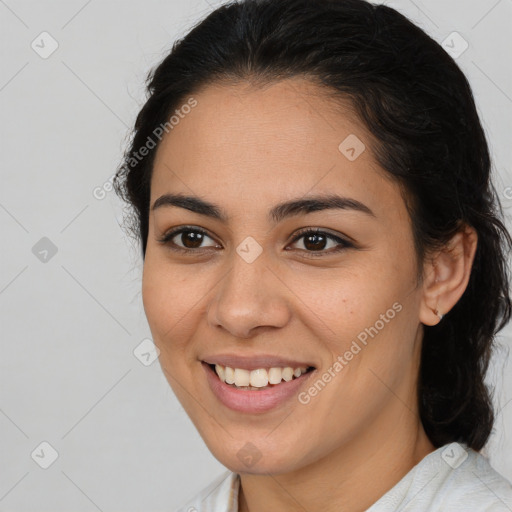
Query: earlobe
{"x": 446, "y": 276}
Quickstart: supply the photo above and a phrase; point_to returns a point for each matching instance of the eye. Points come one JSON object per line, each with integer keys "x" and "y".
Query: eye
{"x": 191, "y": 239}
{"x": 315, "y": 240}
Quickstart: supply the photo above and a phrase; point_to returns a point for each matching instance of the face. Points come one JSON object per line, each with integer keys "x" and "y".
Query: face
{"x": 244, "y": 284}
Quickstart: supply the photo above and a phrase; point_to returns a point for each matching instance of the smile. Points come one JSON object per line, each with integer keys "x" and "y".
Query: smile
{"x": 242, "y": 395}
{"x": 261, "y": 378}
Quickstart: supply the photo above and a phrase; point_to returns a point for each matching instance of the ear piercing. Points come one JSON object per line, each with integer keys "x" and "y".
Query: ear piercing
{"x": 438, "y": 314}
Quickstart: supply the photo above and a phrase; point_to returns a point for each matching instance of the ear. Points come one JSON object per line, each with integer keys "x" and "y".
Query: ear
{"x": 446, "y": 275}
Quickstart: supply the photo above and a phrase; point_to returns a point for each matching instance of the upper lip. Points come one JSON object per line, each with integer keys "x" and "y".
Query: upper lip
{"x": 254, "y": 362}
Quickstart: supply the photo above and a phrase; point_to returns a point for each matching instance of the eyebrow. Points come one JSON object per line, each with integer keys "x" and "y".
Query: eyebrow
{"x": 279, "y": 212}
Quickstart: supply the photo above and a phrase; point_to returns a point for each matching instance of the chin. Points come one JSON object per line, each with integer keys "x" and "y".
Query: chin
{"x": 249, "y": 459}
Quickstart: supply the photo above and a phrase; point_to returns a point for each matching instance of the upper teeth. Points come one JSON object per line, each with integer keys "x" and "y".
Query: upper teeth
{"x": 257, "y": 378}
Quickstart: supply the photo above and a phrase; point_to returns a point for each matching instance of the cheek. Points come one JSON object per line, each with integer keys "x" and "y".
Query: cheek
{"x": 366, "y": 318}
{"x": 342, "y": 303}
{"x": 170, "y": 301}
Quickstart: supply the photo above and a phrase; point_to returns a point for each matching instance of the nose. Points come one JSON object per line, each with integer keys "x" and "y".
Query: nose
{"x": 249, "y": 298}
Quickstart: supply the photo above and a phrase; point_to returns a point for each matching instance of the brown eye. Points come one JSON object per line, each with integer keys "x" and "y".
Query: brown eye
{"x": 191, "y": 239}
{"x": 315, "y": 241}
{"x": 186, "y": 239}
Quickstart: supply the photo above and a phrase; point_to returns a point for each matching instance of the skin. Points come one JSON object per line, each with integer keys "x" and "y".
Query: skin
{"x": 246, "y": 148}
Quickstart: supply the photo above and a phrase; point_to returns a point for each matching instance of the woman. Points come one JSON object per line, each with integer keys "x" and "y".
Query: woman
{"x": 324, "y": 260}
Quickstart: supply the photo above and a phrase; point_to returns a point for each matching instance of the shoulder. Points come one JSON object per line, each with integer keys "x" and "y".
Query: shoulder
{"x": 463, "y": 479}
{"x": 452, "y": 478}
{"x": 478, "y": 484}
{"x": 221, "y": 495}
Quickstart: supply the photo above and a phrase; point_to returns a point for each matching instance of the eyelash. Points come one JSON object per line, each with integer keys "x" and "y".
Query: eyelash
{"x": 343, "y": 244}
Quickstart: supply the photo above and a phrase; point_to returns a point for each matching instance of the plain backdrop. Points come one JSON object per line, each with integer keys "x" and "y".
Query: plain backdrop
{"x": 77, "y": 395}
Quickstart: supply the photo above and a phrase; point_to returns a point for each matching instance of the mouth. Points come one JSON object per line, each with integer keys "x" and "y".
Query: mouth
{"x": 256, "y": 389}
{"x": 258, "y": 379}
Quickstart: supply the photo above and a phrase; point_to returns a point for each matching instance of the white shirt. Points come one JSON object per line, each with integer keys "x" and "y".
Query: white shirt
{"x": 453, "y": 478}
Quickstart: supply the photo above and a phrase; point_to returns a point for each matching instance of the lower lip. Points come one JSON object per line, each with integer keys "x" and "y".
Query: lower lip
{"x": 244, "y": 400}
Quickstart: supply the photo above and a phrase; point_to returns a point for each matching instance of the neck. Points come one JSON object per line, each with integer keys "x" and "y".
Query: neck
{"x": 350, "y": 478}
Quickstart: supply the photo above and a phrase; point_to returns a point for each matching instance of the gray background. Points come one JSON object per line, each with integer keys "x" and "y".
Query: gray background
{"x": 70, "y": 321}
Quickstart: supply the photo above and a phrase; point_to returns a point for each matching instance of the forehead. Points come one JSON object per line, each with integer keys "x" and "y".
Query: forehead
{"x": 269, "y": 143}
{"x": 261, "y": 122}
